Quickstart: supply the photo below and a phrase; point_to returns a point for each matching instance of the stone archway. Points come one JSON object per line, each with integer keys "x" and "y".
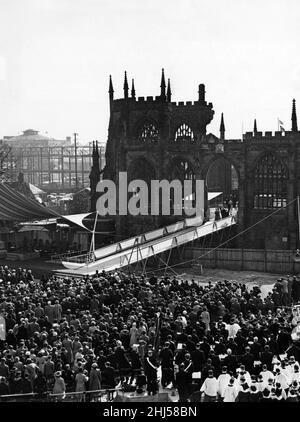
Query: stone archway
{"x": 221, "y": 175}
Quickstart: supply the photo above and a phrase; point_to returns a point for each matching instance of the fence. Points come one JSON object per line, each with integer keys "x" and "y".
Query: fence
{"x": 272, "y": 261}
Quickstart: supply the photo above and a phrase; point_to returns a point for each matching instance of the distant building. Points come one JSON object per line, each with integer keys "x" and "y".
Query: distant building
{"x": 51, "y": 164}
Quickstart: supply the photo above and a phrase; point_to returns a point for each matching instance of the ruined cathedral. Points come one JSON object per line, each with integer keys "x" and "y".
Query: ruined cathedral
{"x": 156, "y": 138}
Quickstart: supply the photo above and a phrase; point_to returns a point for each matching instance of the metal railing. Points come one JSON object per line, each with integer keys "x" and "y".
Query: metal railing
{"x": 103, "y": 395}
{"x": 66, "y": 256}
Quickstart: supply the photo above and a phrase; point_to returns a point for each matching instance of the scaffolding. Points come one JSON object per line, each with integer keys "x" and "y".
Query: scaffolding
{"x": 56, "y": 168}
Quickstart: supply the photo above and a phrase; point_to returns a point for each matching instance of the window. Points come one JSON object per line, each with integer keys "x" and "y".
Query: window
{"x": 184, "y": 133}
{"x": 182, "y": 170}
{"x": 270, "y": 183}
{"x": 149, "y": 133}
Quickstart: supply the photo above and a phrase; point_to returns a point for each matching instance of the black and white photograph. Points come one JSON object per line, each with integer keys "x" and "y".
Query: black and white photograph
{"x": 149, "y": 204}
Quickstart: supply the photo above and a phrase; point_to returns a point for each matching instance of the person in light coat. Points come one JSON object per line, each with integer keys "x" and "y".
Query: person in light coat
{"x": 210, "y": 388}
{"x": 94, "y": 379}
{"x": 230, "y": 391}
{"x": 223, "y": 381}
{"x": 242, "y": 373}
{"x": 296, "y": 374}
{"x": 59, "y": 386}
{"x": 266, "y": 375}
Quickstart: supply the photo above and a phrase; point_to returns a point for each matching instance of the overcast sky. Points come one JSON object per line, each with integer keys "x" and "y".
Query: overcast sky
{"x": 56, "y": 57}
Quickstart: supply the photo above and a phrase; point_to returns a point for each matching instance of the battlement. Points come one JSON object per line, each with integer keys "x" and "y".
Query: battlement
{"x": 267, "y": 135}
{"x": 150, "y": 99}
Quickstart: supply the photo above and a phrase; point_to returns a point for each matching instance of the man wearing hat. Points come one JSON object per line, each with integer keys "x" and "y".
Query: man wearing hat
{"x": 59, "y": 386}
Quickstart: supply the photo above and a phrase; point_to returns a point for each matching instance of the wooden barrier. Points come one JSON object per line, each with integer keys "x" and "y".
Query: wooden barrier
{"x": 271, "y": 261}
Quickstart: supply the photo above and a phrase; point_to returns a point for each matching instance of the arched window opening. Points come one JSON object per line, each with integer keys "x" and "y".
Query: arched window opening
{"x": 184, "y": 134}
{"x": 141, "y": 169}
{"x": 270, "y": 183}
{"x": 182, "y": 170}
{"x": 222, "y": 177}
{"x": 149, "y": 133}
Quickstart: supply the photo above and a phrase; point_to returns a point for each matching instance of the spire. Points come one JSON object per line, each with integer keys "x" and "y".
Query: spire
{"x": 255, "y": 127}
{"x": 111, "y": 89}
{"x": 294, "y": 117}
{"x": 94, "y": 154}
{"x": 125, "y": 86}
{"x": 163, "y": 85}
{"x": 222, "y": 128}
{"x": 97, "y": 150}
{"x": 132, "y": 89}
{"x": 169, "y": 93}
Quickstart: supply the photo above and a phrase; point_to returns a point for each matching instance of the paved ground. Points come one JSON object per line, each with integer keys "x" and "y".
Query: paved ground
{"x": 264, "y": 280}
{"x": 39, "y": 266}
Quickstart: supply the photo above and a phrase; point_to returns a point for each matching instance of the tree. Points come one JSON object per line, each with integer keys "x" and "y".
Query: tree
{"x": 80, "y": 202}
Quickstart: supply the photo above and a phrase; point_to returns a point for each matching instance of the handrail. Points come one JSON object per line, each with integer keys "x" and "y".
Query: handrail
{"x": 47, "y": 395}
{"x": 70, "y": 254}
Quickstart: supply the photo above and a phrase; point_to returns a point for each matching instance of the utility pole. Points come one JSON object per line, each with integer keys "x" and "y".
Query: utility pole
{"x": 76, "y": 171}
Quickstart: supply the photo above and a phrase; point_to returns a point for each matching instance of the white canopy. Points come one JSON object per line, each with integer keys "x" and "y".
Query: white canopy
{"x": 212, "y": 195}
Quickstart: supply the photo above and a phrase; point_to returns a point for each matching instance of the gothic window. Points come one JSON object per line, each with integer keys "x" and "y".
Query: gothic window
{"x": 270, "y": 183}
{"x": 184, "y": 133}
{"x": 149, "y": 133}
{"x": 182, "y": 170}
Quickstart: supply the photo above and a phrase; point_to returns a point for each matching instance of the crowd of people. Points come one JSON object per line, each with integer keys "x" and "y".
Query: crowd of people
{"x": 214, "y": 342}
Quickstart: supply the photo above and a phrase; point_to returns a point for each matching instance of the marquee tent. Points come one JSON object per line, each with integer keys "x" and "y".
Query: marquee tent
{"x": 16, "y": 207}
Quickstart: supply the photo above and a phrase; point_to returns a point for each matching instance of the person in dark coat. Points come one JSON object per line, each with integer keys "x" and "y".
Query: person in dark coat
{"x": 4, "y": 388}
{"x": 167, "y": 367}
{"x": 265, "y": 396}
{"x": 141, "y": 382}
{"x": 296, "y": 290}
{"x": 254, "y": 395}
{"x": 136, "y": 363}
{"x": 198, "y": 358}
{"x": 182, "y": 381}
{"x": 40, "y": 384}
{"x": 151, "y": 367}
{"x": 230, "y": 361}
{"x": 205, "y": 346}
{"x": 109, "y": 376}
{"x": 248, "y": 360}
{"x": 244, "y": 392}
{"x": 26, "y": 385}
{"x": 123, "y": 364}
{"x": 267, "y": 357}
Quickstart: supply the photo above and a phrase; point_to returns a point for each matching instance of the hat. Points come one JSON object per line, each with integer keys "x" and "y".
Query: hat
{"x": 94, "y": 365}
